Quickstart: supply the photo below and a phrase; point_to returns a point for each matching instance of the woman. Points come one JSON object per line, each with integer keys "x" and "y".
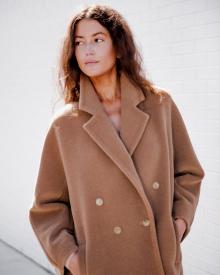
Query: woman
{"x": 119, "y": 180}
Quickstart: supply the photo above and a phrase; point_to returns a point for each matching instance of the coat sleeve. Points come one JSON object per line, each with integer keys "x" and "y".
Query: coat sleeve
{"x": 188, "y": 172}
{"x": 50, "y": 214}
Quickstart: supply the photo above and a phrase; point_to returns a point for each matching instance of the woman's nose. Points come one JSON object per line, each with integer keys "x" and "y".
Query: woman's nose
{"x": 89, "y": 48}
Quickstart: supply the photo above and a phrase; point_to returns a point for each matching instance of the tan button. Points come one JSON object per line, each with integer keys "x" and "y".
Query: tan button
{"x": 117, "y": 229}
{"x": 99, "y": 201}
{"x": 146, "y": 222}
{"x": 156, "y": 185}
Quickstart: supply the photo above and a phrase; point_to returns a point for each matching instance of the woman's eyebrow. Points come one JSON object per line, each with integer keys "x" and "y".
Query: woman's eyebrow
{"x": 94, "y": 34}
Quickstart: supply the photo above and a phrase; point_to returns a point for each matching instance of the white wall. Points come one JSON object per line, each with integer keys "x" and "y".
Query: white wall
{"x": 180, "y": 42}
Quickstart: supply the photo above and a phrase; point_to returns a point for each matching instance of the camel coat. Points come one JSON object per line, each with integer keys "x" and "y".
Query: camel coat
{"x": 113, "y": 198}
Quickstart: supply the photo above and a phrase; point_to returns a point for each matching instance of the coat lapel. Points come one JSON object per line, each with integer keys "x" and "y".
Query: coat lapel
{"x": 100, "y": 128}
{"x": 133, "y": 119}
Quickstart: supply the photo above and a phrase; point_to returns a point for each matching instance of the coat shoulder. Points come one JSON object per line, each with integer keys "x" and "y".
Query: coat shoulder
{"x": 67, "y": 110}
{"x": 161, "y": 97}
{"x": 162, "y": 94}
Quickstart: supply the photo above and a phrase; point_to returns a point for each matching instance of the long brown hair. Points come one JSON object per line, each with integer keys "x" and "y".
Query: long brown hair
{"x": 130, "y": 61}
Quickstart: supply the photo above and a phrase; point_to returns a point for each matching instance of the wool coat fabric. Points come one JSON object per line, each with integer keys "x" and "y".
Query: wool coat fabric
{"x": 113, "y": 198}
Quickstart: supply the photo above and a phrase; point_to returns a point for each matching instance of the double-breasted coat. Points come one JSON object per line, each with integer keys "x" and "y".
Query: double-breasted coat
{"x": 113, "y": 198}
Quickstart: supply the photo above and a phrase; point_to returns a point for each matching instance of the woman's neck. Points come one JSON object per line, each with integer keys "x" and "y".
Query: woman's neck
{"x": 107, "y": 87}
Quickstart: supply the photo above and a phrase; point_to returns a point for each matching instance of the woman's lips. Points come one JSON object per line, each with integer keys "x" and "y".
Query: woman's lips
{"x": 91, "y": 62}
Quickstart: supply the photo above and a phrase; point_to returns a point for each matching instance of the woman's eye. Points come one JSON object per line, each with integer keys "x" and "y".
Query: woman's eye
{"x": 99, "y": 39}
{"x": 77, "y": 43}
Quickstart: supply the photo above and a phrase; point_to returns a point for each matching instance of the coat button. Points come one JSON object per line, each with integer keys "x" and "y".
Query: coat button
{"x": 99, "y": 201}
{"x": 156, "y": 185}
{"x": 117, "y": 229}
{"x": 146, "y": 222}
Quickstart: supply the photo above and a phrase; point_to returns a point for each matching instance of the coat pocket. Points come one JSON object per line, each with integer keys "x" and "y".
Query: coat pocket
{"x": 82, "y": 258}
{"x": 81, "y": 261}
{"x": 178, "y": 247}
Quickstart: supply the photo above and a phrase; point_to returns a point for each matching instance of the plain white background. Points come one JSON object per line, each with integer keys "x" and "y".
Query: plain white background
{"x": 180, "y": 44}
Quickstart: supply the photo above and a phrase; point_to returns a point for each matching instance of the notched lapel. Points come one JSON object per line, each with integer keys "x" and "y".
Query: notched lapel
{"x": 133, "y": 119}
{"x": 100, "y": 128}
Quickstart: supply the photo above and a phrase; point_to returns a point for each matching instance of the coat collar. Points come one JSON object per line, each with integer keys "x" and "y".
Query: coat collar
{"x": 100, "y": 128}
{"x": 133, "y": 119}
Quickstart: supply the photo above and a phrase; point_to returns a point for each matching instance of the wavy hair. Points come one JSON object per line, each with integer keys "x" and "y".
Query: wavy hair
{"x": 130, "y": 61}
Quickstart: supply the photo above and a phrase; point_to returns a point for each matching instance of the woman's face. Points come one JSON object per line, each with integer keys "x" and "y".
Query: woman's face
{"x": 94, "y": 49}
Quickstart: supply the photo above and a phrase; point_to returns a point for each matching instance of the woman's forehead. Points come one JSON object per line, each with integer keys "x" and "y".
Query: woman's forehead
{"x": 89, "y": 27}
